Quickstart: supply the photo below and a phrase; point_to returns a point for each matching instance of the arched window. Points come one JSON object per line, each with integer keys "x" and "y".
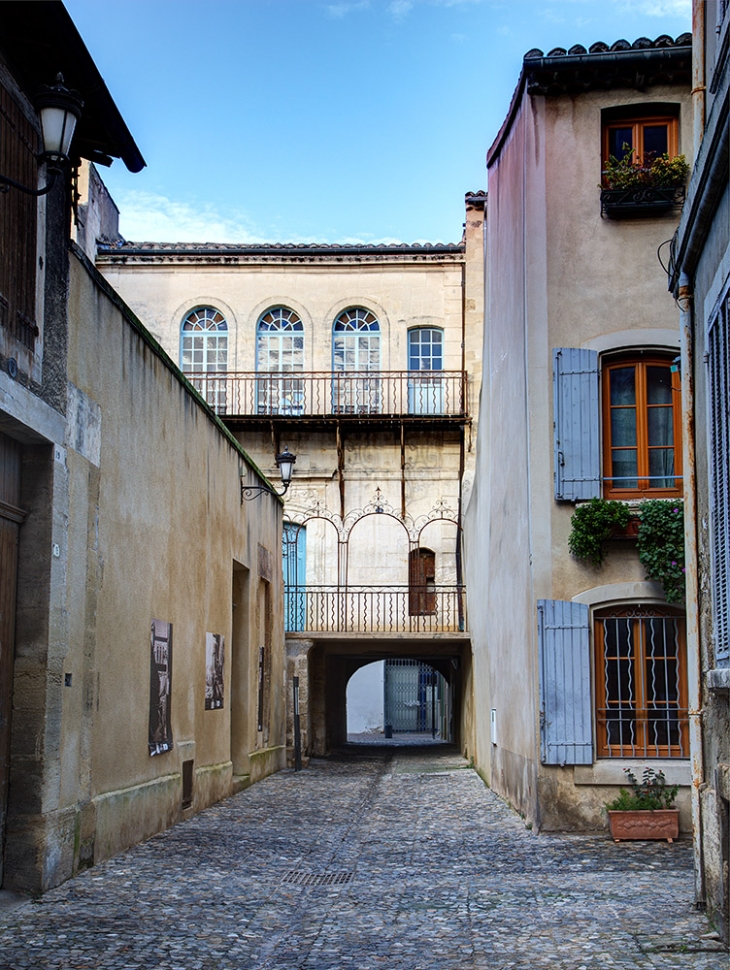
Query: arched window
{"x": 425, "y": 353}
{"x": 204, "y": 351}
{"x": 280, "y": 350}
{"x": 356, "y": 348}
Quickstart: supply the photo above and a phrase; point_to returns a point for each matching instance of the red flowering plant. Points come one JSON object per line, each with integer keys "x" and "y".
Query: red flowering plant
{"x": 650, "y": 172}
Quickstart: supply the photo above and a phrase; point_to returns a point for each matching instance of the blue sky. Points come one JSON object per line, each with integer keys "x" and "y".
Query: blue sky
{"x": 306, "y": 121}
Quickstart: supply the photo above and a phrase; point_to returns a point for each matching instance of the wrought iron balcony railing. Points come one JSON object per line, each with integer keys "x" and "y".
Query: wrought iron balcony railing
{"x": 334, "y": 394}
{"x": 375, "y": 609}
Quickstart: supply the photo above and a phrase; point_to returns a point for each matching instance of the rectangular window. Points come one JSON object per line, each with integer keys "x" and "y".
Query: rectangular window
{"x": 641, "y": 684}
{"x": 647, "y": 138}
{"x": 641, "y": 429}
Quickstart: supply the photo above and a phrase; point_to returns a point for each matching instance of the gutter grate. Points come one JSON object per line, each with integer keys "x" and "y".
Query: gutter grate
{"x": 300, "y": 878}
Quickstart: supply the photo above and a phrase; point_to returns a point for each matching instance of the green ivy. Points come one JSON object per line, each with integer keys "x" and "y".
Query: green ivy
{"x": 592, "y": 524}
{"x": 660, "y": 542}
{"x": 660, "y": 545}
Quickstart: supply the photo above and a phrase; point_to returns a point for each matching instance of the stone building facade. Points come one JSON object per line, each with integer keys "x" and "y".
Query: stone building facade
{"x": 141, "y": 647}
{"x": 364, "y": 362}
{"x": 580, "y": 401}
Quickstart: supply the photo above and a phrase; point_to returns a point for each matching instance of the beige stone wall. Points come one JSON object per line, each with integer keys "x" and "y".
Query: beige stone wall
{"x": 147, "y": 523}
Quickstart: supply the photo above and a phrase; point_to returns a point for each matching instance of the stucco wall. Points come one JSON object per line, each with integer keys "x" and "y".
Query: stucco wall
{"x": 148, "y": 524}
{"x": 558, "y": 276}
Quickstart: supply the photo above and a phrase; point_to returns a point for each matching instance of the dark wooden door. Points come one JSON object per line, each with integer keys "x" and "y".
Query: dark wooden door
{"x": 421, "y": 580}
{"x": 10, "y": 519}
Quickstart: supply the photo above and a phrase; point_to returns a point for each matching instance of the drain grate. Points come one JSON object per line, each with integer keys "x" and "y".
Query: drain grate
{"x": 300, "y": 878}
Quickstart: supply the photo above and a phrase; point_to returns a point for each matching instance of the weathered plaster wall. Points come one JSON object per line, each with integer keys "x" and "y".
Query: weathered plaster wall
{"x": 143, "y": 503}
{"x": 558, "y": 276}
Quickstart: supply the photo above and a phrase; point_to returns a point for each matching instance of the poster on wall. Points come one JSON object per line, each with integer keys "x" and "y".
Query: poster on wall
{"x": 160, "y": 687}
{"x": 214, "y": 651}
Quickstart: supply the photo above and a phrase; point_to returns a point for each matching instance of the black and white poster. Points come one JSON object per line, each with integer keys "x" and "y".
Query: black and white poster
{"x": 160, "y": 687}
{"x": 214, "y": 653}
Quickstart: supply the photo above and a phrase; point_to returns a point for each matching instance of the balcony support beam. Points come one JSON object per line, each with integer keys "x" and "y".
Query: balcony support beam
{"x": 402, "y": 470}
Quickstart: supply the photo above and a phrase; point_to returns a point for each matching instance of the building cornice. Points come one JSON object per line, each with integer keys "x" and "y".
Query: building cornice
{"x": 276, "y": 253}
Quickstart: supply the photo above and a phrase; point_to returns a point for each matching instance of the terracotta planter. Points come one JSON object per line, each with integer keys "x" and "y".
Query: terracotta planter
{"x": 631, "y": 531}
{"x": 661, "y": 824}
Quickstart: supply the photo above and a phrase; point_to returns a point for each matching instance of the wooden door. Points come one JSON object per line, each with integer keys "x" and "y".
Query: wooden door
{"x": 10, "y": 519}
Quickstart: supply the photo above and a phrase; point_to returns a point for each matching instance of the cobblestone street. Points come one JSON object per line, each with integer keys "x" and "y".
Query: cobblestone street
{"x": 384, "y": 858}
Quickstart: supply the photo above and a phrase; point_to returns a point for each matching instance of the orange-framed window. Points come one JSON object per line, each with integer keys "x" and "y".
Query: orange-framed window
{"x": 648, "y": 138}
{"x": 641, "y": 683}
{"x": 642, "y": 453}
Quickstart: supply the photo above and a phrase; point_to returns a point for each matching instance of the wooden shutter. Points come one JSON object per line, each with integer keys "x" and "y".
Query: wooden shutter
{"x": 576, "y": 424}
{"x": 719, "y": 433}
{"x": 566, "y": 712}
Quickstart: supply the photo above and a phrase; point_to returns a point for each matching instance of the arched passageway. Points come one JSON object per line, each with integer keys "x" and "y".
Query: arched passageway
{"x": 424, "y": 689}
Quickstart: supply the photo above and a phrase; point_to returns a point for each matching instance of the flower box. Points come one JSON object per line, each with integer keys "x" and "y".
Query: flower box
{"x": 640, "y": 201}
{"x": 660, "y": 824}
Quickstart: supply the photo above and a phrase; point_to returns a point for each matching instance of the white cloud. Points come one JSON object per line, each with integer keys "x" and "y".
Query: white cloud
{"x": 399, "y": 9}
{"x": 147, "y": 217}
{"x": 661, "y": 8}
{"x": 341, "y": 10}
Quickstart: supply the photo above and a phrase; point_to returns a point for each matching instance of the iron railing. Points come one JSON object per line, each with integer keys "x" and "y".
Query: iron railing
{"x": 328, "y": 394}
{"x": 375, "y": 609}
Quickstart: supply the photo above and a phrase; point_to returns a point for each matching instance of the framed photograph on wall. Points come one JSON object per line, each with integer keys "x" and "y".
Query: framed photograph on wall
{"x": 160, "y": 739}
{"x": 214, "y": 654}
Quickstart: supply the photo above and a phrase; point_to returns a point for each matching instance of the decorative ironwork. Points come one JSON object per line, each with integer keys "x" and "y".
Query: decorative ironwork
{"x": 375, "y": 609}
{"x": 334, "y": 394}
{"x": 627, "y": 203}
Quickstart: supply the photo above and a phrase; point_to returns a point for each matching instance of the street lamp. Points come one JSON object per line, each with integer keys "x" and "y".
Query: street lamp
{"x": 285, "y": 464}
{"x": 59, "y": 110}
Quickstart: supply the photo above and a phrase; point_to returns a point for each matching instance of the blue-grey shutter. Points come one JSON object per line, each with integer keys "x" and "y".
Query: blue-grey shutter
{"x": 566, "y": 711}
{"x": 718, "y": 374}
{"x": 577, "y": 424}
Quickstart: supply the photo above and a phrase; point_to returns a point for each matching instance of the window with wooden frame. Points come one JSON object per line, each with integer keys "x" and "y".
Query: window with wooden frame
{"x": 647, "y": 137}
{"x": 641, "y": 683}
{"x": 642, "y": 454}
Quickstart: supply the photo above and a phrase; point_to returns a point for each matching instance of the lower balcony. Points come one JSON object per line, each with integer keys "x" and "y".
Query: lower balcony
{"x": 375, "y": 609}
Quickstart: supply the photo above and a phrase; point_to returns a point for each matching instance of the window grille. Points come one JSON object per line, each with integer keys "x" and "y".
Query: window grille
{"x": 356, "y": 347}
{"x": 641, "y": 683}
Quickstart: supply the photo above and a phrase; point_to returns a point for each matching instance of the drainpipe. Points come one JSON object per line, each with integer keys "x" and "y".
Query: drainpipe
{"x": 694, "y": 658}
{"x": 698, "y": 73}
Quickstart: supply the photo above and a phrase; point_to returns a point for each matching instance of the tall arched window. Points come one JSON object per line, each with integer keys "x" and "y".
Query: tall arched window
{"x": 280, "y": 350}
{"x": 204, "y": 352}
{"x": 356, "y": 348}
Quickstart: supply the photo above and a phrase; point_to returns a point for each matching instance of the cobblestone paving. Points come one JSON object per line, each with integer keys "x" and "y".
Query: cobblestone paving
{"x": 389, "y": 858}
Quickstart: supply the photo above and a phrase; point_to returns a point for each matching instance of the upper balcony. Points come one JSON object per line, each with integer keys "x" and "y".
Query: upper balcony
{"x": 416, "y": 396}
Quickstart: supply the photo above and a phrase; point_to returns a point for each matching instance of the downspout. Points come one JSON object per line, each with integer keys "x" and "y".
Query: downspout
{"x": 698, "y": 73}
{"x": 694, "y": 661}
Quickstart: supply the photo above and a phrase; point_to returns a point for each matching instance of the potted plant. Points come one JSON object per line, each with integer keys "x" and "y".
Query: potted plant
{"x": 645, "y": 812}
{"x": 633, "y": 185}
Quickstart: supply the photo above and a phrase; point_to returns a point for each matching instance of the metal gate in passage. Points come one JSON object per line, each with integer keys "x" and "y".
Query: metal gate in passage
{"x": 417, "y": 699}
